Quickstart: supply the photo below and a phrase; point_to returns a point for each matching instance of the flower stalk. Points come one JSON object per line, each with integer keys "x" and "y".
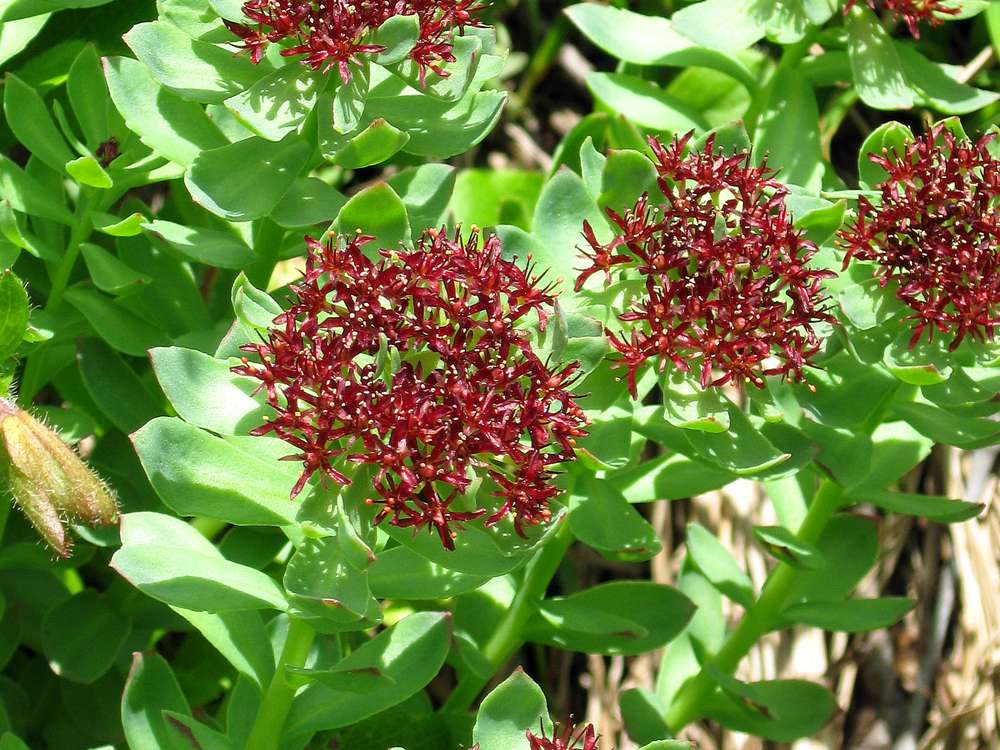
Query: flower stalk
{"x": 762, "y": 615}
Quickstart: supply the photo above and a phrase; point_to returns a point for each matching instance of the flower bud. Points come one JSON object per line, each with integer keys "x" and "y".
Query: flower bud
{"x": 48, "y": 481}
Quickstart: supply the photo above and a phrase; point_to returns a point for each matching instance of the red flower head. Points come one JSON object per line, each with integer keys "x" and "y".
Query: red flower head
{"x": 913, "y": 11}
{"x": 936, "y": 233}
{"x": 566, "y": 740}
{"x": 414, "y": 364}
{"x": 331, "y": 33}
{"x": 727, "y": 290}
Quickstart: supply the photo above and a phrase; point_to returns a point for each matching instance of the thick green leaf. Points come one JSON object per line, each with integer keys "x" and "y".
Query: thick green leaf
{"x": 644, "y": 103}
{"x": 174, "y": 128}
{"x": 308, "y": 201}
{"x": 601, "y": 517}
{"x": 851, "y": 616}
{"x": 400, "y": 573}
{"x": 481, "y": 552}
{"x": 441, "y": 133}
{"x": 933, "y": 507}
{"x": 88, "y": 171}
{"x": 690, "y": 407}
{"x": 16, "y": 35}
{"x": 373, "y": 145}
{"x": 31, "y": 122}
{"x": 650, "y": 40}
{"x": 114, "y": 386}
{"x": 425, "y": 191}
{"x": 849, "y": 546}
{"x": 513, "y": 707}
{"x": 81, "y": 637}
{"x": 627, "y": 175}
{"x": 725, "y": 25}
{"x": 488, "y": 197}
{"x": 376, "y": 211}
{"x": 563, "y": 206}
{"x": 718, "y": 565}
{"x": 378, "y": 675}
{"x": 944, "y": 426}
{"x": 252, "y": 306}
{"x": 592, "y": 620}
{"x": 327, "y": 590}
{"x": 742, "y": 449}
{"x": 349, "y": 101}
{"x": 785, "y": 546}
{"x": 218, "y": 182}
{"x": 279, "y": 102}
{"x": 195, "y": 70}
{"x": 780, "y": 710}
{"x": 672, "y": 476}
{"x": 878, "y": 72}
{"x": 897, "y": 449}
{"x": 111, "y": 225}
{"x": 88, "y": 95}
{"x": 109, "y": 274}
{"x": 197, "y": 473}
{"x": 937, "y": 86}
{"x": 210, "y": 246}
{"x": 26, "y": 194}
{"x": 240, "y": 637}
{"x": 150, "y": 690}
{"x": 14, "y": 313}
{"x": 468, "y": 52}
{"x": 188, "y": 733}
{"x": 788, "y": 131}
{"x": 926, "y": 363}
{"x": 642, "y": 715}
{"x": 206, "y": 393}
{"x": 9, "y": 741}
{"x": 194, "y": 580}
{"x": 122, "y": 329}
{"x": 397, "y": 36}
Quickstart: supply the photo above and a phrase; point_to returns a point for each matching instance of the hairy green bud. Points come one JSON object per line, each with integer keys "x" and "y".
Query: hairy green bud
{"x": 48, "y": 481}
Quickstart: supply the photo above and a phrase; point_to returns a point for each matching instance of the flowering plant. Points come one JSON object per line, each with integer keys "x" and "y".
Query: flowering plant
{"x": 671, "y": 404}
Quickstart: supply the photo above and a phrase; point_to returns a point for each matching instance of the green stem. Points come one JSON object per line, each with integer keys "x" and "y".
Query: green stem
{"x": 509, "y": 635}
{"x": 277, "y": 701}
{"x": 79, "y": 232}
{"x": 760, "y": 618}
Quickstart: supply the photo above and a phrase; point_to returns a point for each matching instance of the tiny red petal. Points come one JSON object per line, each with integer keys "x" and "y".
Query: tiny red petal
{"x": 330, "y": 34}
{"x": 934, "y": 234}
{"x": 728, "y": 294}
{"x": 913, "y": 12}
{"x": 413, "y": 362}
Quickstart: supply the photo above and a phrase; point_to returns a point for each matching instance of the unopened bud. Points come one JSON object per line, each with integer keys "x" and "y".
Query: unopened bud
{"x": 49, "y": 482}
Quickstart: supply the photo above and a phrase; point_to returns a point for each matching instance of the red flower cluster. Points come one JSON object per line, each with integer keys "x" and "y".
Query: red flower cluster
{"x": 727, "y": 289}
{"x": 566, "y": 740}
{"x": 936, "y": 233}
{"x": 414, "y": 364}
{"x": 913, "y": 11}
{"x": 332, "y": 32}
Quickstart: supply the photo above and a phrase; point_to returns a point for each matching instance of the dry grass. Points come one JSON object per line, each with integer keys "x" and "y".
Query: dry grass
{"x": 930, "y": 683}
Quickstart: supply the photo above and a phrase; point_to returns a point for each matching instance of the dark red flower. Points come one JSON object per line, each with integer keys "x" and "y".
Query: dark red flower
{"x": 912, "y": 12}
{"x": 332, "y": 33}
{"x": 565, "y": 740}
{"x": 417, "y": 364}
{"x": 935, "y": 233}
{"x": 727, "y": 289}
